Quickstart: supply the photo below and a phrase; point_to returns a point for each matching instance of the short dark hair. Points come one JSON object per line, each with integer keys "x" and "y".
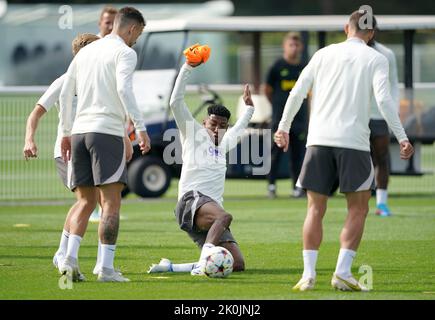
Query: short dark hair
{"x": 129, "y": 14}
{"x": 296, "y": 36}
{"x": 355, "y": 18}
{"x": 109, "y": 10}
{"x": 219, "y": 110}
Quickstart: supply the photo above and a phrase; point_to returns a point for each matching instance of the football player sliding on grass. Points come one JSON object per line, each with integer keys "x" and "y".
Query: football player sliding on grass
{"x": 199, "y": 210}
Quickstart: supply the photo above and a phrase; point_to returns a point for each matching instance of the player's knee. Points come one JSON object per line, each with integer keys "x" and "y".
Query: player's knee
{"x": 227, "y": 219}
{"x": 87, "y": 204}
{"x": 360, "y": 211}
{"x": 111, "y": 205}
{"x": 317, "y": 211}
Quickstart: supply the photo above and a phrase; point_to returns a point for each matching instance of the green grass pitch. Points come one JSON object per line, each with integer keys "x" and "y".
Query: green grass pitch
{"x": 400, "y": 250}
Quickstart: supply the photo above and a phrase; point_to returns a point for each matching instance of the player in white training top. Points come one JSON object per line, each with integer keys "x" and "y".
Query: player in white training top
{"x": 101, "y": 76}
{"x": 105, "y": 27}
{"x": 343, "y": 78}
{"x": 49, "y": 99}
{"x": 199, "y": 210}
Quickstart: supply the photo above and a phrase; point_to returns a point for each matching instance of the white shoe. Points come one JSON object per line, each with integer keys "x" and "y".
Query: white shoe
{"x": 199, "y": 270}
{"x": 97, "y": 270}
{"x": 70, "y": 268}
{"x": 58, "y": 259}
{"x": 305, "y": 284}
{"x": 299, "y": 193}
{"x": 110, "y": 275}
{"x": 165, "y": 265}
{"x": 95, "y": 216}
{"x": 347, "y": 284}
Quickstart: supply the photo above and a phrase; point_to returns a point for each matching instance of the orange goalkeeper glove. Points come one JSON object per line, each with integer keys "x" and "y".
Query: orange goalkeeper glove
{"x": 197, "y": 53}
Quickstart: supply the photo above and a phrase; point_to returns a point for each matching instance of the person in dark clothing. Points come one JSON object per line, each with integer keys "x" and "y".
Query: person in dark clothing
{"x": 281, "y": 79}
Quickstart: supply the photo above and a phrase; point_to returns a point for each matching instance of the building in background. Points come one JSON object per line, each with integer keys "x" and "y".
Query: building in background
{"x": 36, "y": 38}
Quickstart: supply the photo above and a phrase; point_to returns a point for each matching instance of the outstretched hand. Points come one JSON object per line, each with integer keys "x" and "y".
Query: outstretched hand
{"x": 247, "y": 96}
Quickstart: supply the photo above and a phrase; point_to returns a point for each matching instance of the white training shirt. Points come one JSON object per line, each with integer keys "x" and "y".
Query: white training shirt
{"x": 394, "y": 81}
{"x": 101, "y": 74}
{"x": 204, "y": 163}
{"x": 343, "y": 78}
{"x": 49, "y": 99}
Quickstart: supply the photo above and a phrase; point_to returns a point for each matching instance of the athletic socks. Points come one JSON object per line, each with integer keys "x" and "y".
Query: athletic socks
{"x": 98, "y": 264}
{"x": 108, "y": 255}
{"x": 381, "y": 196}
{"x": 310, "y": 259}
{"x": 63, "y": 245}
{"x": 204, "y": 253}
{"x": 73, "y": 246}
{"x": 344, "y": 263}
{"x": 183, "y": 267}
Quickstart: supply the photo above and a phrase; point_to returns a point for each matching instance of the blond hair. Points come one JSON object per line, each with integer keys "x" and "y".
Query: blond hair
{"x": 82, "y": 40}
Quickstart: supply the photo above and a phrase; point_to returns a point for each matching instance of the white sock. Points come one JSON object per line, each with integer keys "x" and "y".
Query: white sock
{"x": 184, "y": 267}
{"x": 108, "y": 255}
{"x": 99, "y": 262}
{"x": 381, "y": 196}
{"x": 205, "y": 251}
{"x": 73, "y": 246}
{"x": 344, "y": 263}
{"x": 63, "y": 245}
{"x": 310, "y": 259}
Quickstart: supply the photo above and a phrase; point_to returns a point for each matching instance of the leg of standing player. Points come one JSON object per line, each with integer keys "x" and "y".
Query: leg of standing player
{"x": 78, "y": 220}
{"x": 298, "y": 140}
{"x": 381, "y": 158}
{"x": 350, "y": 238}
{"x": 109, "y": 224}
{"x": 275, "y": 155}
{"x": 312, "y": 232}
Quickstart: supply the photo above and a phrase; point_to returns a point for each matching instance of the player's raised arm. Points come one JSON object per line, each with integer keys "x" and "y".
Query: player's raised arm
{"x": 387, "y": 107}
{"x": 195, "y": 55}
{"x": 231, "y": 136}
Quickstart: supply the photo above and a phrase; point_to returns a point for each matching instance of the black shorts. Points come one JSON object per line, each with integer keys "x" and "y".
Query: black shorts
{"x": 378, "y": 128}
{"x": 97, "y": 159}
{"x": 324, "y": 166}
{"x": 185, "y": 211}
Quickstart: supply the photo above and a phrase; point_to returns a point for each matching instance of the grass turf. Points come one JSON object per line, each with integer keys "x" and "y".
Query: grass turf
{"x": 400, "y": 250}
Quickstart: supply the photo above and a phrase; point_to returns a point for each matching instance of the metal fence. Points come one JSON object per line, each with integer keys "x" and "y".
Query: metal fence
{"x": 37, "y": 179}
